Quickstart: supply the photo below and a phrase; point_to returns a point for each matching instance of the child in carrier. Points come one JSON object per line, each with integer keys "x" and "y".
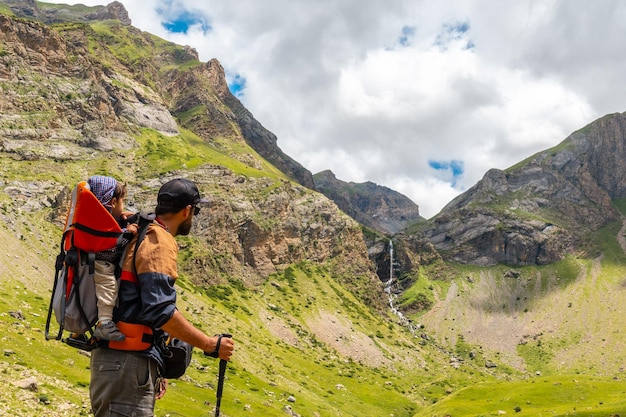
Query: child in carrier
{"x": 111, "y": 194}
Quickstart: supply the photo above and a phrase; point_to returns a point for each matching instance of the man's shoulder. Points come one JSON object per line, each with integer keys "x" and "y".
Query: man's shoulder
{"x": 157, "y": 253}
{"x": 158, "y": 235}
{"x": 159, "y": 230}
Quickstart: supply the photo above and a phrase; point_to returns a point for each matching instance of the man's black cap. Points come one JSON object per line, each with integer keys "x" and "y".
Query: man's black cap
{"x": 178, "y": 194}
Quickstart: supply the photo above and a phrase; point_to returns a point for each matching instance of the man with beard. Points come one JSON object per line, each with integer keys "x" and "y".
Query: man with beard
{"x": 126, "y": 376}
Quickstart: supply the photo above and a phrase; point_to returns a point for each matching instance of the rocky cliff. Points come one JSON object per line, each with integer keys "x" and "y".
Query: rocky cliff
{"x": 542, "y": 208}
{"x": 379, "y": 208}
{"x": 99, "y": 96}
{"x": 205, "y": 87}
{"x": 201, "y": 88}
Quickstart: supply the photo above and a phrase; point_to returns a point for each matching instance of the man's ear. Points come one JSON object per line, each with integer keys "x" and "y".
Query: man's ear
{"x": 187, "y": 211}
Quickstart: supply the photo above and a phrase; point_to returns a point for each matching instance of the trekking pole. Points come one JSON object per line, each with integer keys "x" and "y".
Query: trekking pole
{"x": 220, "y": 386}
{"x": 222, "y": 373}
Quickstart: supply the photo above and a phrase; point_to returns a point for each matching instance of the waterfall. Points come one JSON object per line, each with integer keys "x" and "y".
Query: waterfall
{"x": 390, "y": 261}
{"x": 392, "y": 295}
{"x": 390, "y": 280}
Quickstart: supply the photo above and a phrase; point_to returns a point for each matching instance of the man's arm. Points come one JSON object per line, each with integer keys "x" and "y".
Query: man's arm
{"x": 178, "y": 326}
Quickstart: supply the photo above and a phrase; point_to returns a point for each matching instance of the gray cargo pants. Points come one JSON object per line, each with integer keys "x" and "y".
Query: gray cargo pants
{"x": 122, "y": 384}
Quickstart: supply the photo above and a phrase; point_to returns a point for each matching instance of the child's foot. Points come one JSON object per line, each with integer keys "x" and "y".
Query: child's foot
{"x": 108, "y": 331}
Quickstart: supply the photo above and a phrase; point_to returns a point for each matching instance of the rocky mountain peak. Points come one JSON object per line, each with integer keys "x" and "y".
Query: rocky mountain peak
{"x": 112, "y": 11}
{"x": 217, "y": 77}
{"x": 540, "y": 209}
{"x": 375, "y": 206}
{"x": 66, "y": 13}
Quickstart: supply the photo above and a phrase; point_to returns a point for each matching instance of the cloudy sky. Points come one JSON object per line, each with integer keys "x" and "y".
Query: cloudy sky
{"x": 420, "y": 96}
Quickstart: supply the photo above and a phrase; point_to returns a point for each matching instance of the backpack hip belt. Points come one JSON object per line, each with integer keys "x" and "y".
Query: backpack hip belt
{"x": 138, "y": 337}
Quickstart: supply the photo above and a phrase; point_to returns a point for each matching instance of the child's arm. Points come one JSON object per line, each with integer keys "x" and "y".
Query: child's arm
{"x": 127, "y": 218}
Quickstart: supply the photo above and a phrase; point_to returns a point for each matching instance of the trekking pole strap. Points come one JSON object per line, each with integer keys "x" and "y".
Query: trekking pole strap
{"x": 215, "y": 353}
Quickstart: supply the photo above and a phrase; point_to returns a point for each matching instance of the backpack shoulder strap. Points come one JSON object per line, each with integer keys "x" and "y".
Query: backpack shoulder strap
{"x": 144, "y": 221}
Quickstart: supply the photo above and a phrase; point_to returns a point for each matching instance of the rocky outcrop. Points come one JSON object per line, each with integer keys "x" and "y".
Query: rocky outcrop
{"x": 540, "y": 209}
{"x": 66, "y": 13}
{"x": 295, "y": 225}
{"x": 140, "y": 106}
{"x": 54, "y": 90}
{"x": 112, "y": 11}
{"x": 487, "y": 237}
{"x": 377, "y": 207}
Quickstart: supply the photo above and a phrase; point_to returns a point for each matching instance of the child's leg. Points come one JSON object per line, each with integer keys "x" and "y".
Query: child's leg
{"x": 106, "y": 289}
{"x": 106, "y": 293}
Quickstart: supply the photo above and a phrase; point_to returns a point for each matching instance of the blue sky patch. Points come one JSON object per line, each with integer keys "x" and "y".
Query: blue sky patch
{"x": 182, "y": 23}
{"x": 449, "y": 171}
{"x": 407, "y": 34}
{"x": 459, "y": 28}
{"x": 178, "y": 19}
{"x": 453, "y": 32}
{"x": 237, "y": 85}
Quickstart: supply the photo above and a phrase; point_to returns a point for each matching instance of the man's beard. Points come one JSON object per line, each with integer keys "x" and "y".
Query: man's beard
{"x": 185, "y": 227}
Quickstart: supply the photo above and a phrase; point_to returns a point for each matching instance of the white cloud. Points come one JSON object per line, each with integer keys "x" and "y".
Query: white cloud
{"x": 376, "y": 90}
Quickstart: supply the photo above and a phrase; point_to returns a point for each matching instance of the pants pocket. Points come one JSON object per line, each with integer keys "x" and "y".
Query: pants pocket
{"x": 107, "y": 366}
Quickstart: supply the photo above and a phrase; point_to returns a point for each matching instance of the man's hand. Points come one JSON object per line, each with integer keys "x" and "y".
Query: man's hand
{"x": 223, "y": 346}
{"x": 220, "y": 346}
{"x": 160, "y": 388}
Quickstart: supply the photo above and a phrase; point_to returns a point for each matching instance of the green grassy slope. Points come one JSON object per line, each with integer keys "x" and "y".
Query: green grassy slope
{"x": 559, "y": 326}
{"x": 279, "y": 330}
{"x": 558, "y": 396}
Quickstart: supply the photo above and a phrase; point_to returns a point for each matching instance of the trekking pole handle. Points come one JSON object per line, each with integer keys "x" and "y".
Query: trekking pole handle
{"x": 215, "y": 353}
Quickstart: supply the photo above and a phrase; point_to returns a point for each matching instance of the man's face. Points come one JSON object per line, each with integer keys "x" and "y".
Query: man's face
{"x": 185, "y": 227}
